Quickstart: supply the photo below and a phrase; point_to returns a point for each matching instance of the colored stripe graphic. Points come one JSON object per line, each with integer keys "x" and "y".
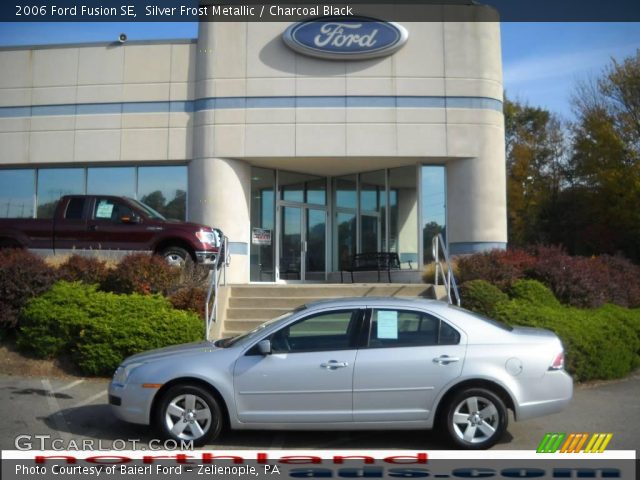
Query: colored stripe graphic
{"x": 550, "y": 442}
{"x": 574, "y": 442}
{"x": 598, "y": 442}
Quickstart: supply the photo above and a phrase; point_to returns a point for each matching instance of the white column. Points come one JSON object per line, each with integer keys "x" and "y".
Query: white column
{"x": 219, "y": 195}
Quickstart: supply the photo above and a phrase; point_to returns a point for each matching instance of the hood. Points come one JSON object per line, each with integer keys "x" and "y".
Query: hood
{"x": 173, "y": 351}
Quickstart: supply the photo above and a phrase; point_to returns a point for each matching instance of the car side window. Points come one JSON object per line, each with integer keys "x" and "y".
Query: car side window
{"x": 109, "y": 210}
{"x": 335, "y": 330}
{"x": 75, "y": 207}
{"x": 403, "y": 328}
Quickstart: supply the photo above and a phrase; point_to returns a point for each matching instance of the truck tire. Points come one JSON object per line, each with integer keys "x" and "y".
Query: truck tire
{"x": 176, "y": 256}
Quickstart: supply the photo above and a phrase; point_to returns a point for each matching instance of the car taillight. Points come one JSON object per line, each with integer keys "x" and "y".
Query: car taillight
{"x": 558, "y": 362}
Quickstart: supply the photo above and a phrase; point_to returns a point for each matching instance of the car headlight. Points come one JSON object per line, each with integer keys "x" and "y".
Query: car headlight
{"x": 122, "y": 373}
{"x": 207, "y": 237}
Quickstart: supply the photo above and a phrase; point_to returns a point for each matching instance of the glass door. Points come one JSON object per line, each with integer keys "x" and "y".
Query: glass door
{"x": 303, "y": 244}
{"x": 291, "y": 243}
{"x": 316, "y": 245}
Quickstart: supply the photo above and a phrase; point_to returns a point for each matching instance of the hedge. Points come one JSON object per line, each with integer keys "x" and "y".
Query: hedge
{"x": 601, "y": 343}
{"x": 99, "y": 329}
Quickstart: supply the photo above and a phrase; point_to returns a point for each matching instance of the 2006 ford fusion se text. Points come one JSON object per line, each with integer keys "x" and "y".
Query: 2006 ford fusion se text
{"x": 351, "y": 364}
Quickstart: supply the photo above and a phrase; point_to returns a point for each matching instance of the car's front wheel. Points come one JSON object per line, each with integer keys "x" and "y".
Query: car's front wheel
{"x": 189, "y": 413}
{"x": 176, "y": 256}
{"x": 476, "y": 418}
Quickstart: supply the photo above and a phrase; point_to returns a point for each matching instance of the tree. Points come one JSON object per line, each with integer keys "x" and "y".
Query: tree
{"x": 605, "y": 160}
{"x": 535, "y": 146}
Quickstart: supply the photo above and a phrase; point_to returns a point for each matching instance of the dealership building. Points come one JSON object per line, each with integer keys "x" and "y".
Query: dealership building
{"x": 305, "y": 143}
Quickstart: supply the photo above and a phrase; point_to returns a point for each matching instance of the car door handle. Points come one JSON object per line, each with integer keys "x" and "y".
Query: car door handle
{"x": 333, "y": 364}
{"x": 93, "y": 228}
{"x": 445, "y": 360}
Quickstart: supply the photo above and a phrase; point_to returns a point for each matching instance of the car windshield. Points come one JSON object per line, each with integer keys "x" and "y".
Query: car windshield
{"x": 228, "y": 342}
{"x": 147, "y": 209}
{"x": 491, "y": 321}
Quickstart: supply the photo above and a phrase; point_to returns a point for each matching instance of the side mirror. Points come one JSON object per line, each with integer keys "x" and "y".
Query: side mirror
{"x": 264, "y": 347}
{"x": 130, "y": 219}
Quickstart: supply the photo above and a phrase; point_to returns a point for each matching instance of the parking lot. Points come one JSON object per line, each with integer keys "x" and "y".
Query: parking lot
{"x": 76, "y": 409}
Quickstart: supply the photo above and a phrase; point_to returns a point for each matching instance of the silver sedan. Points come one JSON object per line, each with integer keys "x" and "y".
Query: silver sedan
{"x": 350, "y": 364}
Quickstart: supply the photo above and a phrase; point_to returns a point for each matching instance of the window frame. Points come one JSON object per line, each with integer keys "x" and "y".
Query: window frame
{"x": 367, "y": 329}
{"x": 355, "y": 337}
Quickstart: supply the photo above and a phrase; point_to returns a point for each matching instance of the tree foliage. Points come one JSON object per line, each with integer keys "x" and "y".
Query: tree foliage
{"x": 578, "y": 184}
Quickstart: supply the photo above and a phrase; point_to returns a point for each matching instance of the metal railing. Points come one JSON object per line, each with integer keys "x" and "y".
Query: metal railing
{"x": 219, "y": 274}
{"x": 444, "y": 269}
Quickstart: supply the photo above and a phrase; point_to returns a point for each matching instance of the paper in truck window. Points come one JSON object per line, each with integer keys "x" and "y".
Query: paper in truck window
{"x": 387, "y": 322}
{"x": 104, "y": 210}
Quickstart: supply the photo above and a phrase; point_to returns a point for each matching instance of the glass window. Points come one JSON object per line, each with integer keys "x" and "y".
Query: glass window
{"x": 398, "y": 328}
{"x": 164, "y": 189}
{"x": 346, "y": 238}
{"x": 434, "y": 209}
{"x": 107, "y": 209}
{"x": 325, "y": 331}
{"x": 302, "y": 188}
{"x": 345, "y": 192}
{"x": 53, "y": 183}
{"x": 118, "y": 181}
{"x": 373, "y": 200}
{"x": 17, "y": 191}
{"x": 403, "y": 215}
{"x": 75, "y": 209}
{"x": 262, "y": 224}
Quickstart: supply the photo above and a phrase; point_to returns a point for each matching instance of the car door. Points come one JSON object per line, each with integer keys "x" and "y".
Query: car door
{"x": 308, "y": 377}
{"x": 409, "y": 357}
{"x": 114, "y": 225}
{"x": 71, "y": 228}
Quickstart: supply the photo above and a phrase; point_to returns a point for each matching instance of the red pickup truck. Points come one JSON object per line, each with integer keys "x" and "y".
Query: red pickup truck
{"x": 117, "y": 225}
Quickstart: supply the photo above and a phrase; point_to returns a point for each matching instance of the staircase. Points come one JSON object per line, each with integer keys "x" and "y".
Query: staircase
{"x": 243, "y": 307}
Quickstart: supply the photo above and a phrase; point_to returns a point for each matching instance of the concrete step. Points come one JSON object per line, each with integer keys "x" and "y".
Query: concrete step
{"x": 318, "y": 291}
{"x": 250, "y": 305}
{"x": 269, "y": 302}
{"x": 257, "y": 313}
{"x": 242, "y": 325}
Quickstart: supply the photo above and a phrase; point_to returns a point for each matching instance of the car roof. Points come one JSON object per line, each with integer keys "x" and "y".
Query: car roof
{"x": 407, "y": 302}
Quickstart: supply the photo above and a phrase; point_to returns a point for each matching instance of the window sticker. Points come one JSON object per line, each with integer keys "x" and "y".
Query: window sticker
{"x": 387, "y": 322}
{"x": 104, "y": 210}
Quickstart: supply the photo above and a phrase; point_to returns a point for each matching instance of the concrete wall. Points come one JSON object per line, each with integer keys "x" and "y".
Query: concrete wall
{"x": 84, "y": 104}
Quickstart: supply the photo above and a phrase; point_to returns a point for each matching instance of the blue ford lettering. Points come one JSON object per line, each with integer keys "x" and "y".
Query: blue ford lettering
{"x": 345, "y": 38}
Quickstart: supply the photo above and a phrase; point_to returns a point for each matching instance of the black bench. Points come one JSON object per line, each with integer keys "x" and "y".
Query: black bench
{"x": 373, "y": 262}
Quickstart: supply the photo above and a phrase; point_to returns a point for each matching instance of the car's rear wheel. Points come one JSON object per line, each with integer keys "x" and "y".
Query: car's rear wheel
{"x": 476, "y": 418}
{"x": 189, "y": 413}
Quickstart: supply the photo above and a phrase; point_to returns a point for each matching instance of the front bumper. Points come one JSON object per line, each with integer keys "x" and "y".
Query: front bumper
{"x": 131, "y": 402}
{"x": 206, "y": 257}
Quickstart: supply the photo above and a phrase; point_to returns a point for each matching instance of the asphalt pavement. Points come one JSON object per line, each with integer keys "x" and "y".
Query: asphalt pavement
{"x": 75, "y": 409}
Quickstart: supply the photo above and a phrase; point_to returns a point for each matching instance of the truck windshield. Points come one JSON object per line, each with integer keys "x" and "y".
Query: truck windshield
{"x": 147, "y": 209}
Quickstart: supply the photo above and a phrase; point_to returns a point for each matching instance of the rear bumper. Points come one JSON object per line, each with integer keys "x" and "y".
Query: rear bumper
{"x": 557, "y": 390}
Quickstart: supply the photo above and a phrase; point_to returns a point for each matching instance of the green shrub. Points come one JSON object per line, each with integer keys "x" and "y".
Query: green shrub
{"x": 602, "y": 343}
{"x": 534, "y": 292}
{"x": 143, "y": 274}
{"x": 89, "y": 270}
{"x": 481, "y": 297}
{"x": 23, "y": 275}
{"x": 99, "y": 329}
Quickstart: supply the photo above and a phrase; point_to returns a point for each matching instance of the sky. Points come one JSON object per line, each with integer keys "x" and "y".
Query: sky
{"x": 541, "y": 61}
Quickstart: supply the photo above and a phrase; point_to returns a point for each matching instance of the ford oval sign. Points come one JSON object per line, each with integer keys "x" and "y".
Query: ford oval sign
{"x": 345, "y": 38}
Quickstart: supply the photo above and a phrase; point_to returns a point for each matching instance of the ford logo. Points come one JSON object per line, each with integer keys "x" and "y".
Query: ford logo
{"x": 348, "y": 38}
